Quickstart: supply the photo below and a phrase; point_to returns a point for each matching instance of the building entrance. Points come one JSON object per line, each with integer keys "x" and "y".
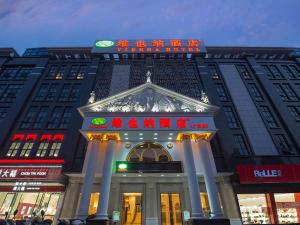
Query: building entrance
{"x": 170, "y": 209}
{"x": 132, "y": 209}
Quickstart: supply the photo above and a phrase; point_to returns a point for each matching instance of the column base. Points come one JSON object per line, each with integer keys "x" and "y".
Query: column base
{"x": 210, "y": 221}
{"x": 152, "y": 221}
{"x": 97, "y": 222}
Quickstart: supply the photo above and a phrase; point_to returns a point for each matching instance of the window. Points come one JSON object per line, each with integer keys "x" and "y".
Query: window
{"x": 77, "y": 72}
{"x": 240, "y": 145}
{"x": 55, "y": 148}
{"x": 255, "y": 92}
{"x": 10, "y": 93}
{"x": 16, "y": 73}
{"x": 272, "y": 72}
{"x": 286, "y": 92}
{"x": 287, "y": 71}
{"x": 268, "y": 117}
{"x": 294, "y": 111}
{"x": 60, "y": 118}
{"x": 295, "y": 70}
{"x": 69, "y": 92}
{"x": 35, "y": 117}
{"x": 221, "y": 92}
{"x": 244, "y": 72}
{"x": 282, "y": 144}
{"x": 214, "y": 72}
{"x": 268, "y": 71}
{"x": 56, "y": 72}
{"x": 23, "y": 73}
{"x": 27, "y": 147}
{"x": 231, "y": 119}
{"x": 14, "y": 148}
{"x": 46, "y": 92}
{"x": 3, "y": 112}
{"x": 9, "y": 73}
{"x": 287, "y": 206}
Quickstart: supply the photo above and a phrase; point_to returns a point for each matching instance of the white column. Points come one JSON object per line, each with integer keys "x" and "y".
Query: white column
{"x": 209, "y": 178}
{"x": 92, "y": 154}
{"x": 106, "y": 181}
{"x": 197, "y": 211}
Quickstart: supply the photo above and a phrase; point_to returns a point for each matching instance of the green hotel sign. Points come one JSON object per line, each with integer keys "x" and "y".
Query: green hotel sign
{"x": 98, "y": 121}
{"x": 104, "y": 43}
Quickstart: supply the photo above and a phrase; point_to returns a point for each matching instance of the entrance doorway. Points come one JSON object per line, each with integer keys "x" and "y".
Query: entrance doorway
{"x": 132, "y": 209}
{"x": 170, "y": 209}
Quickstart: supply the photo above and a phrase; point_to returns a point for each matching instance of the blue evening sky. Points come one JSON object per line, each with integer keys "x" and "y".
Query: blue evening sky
{"x": 56, "y": 23}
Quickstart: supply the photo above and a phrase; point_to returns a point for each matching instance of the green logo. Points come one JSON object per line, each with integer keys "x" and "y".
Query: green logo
{"x": 122, "y": 166}
{"x": 105, "y": 44}
{"x": 98, "y": 121}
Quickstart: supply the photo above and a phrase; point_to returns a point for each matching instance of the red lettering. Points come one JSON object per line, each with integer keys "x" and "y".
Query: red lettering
{"x": 116, "y": 123}
{"x": 158, "y": 43}
{"x": 141, "y": 44}
{"x": 164, "y": 123}
{"x": 181, "y": 123}
{"x": 122, "y": 43}
{"x": 193, "y": 43}
{"x": 175, "y": 43}
{"x": 148, "y": 123}
{"x": 133, "y": 123}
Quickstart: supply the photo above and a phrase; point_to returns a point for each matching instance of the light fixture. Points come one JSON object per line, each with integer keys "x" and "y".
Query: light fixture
{"x": 141, "y": 134}
{"x": 155, "y": 134}
{"x": 170, "y": 138}
{"x": 170, "y": 134}
{"x": 178, "y": 175}
{"x": 162, "y": 175}
{"x": 124, "y": 175}
{"x": 139, "y": 175}
{"x": 141, "y": 138}
{"x": 155, "y": 138}
{"x": 125, "y": 134}
{"x": 122, "y": 166}
{"x": 126, "y": 138}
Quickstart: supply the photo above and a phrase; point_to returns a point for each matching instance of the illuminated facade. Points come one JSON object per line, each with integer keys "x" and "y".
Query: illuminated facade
{"x": 151, "y": 132}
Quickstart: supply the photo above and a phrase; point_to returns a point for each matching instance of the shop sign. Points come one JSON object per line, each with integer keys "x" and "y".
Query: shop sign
{"x": 149, "y": 123}
{"x": 149, "y": 46}
{"x": 288, "y": 205}
{"x": 29, "y": 173}
{"x": 268, "y": 173}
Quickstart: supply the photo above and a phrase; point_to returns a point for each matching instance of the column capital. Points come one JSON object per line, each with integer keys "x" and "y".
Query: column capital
{"x": 103, "y": 136}
{"x": 194, "y": 136}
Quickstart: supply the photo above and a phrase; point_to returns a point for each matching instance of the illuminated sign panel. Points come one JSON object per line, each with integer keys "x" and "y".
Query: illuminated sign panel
{"x": 183, "y": 123}
{"x": 150, "y": 46}
{"x": 30, "y": 173}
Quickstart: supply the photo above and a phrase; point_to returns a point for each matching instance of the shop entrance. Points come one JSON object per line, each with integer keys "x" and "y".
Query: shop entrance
{"x": 170, "y": 209}
{"x": 132, "y": 209}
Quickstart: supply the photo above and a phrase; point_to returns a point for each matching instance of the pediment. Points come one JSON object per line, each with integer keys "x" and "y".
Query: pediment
{"x": 148, "y": 97}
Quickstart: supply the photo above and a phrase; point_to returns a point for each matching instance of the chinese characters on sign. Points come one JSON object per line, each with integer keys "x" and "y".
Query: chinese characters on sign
{"x": 150, "y": 46}
{"x": 29, "y": 173}
{"x": 178, "y": 123}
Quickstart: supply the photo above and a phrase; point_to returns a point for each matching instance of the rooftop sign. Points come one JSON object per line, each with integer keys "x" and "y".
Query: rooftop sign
{"x": 150, "y": 46}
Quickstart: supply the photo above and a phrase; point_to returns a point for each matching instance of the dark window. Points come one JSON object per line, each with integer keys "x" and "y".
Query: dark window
{"x": 295, "y": 70}
{"x": 69, "y": 92}
{"x": 255, "y": 92}
{"x": 286, "y": 92}
{"x": 3, "y": 112}
{"x": 35, "y": 117}
{"x": 276, "y": 72}
{"x": 268, "y": 117}
{"x": 287, "y": 71}
{"x": 221, "y": 92}
{"x": 77, "y": 72}
{"x": 295, "y": 112}
{"x": 244, "y": 72}
{"x": 231, "y": 119}
{"x": 282, "y": 144}
{"x": 23, "y": 73}
{"x": 268, "y": 72}
{"x": 240, "y": 145}
{"x": 214, "y": 72}
{"x": 60, "y": 118}
{"x": 52, "y": 72}
{"x": 47, "y": 92}
{"x": 10, "y": 93}
{"x": 9, "y": 73}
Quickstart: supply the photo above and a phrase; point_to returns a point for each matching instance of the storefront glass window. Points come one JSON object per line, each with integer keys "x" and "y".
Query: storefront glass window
{"x": 254, "y": 208}
{"x": 205, "y": 203}
{"x": 288, "y": 207}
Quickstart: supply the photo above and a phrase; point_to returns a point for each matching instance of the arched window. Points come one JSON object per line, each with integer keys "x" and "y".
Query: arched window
{"x": 149, "y": 152}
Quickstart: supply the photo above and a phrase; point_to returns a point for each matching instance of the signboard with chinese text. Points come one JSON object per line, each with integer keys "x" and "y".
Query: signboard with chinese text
{"x": 150, "y": 46}
{"x": 30, "y": 173}
{"x": 268, "y": 174}
{"x": 174, "y": 123}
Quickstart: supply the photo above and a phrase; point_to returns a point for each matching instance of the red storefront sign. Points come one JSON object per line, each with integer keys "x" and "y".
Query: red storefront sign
{"x": 268, "y": 174}
{"x": 30, "y": 173}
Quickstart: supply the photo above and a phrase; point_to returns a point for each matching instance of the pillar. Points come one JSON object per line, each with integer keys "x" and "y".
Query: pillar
{"x": 197, "y": 212}
{"x": 209, "y": 178}
{"x": 151, "y": 206}
{"x": 106, "y": 181}
{"x": 86, "y": 189}
{"x": 70, "y": 200}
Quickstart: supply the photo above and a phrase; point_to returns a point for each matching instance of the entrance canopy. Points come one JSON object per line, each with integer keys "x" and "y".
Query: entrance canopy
{"x": 147, "y": 112}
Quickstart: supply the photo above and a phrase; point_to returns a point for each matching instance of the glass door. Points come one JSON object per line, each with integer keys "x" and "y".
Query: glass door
{"x": 170, "y": 209}
{"x": 132, "y": 209}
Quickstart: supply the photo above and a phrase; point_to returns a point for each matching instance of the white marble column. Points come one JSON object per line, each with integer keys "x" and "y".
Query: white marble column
{"x": 209, "y": 178}
{"x": 92, "y": 154}
{"x": 197, "y": 211}
{"x": 106, "y": 181}
{"x": 151, "y": 206}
